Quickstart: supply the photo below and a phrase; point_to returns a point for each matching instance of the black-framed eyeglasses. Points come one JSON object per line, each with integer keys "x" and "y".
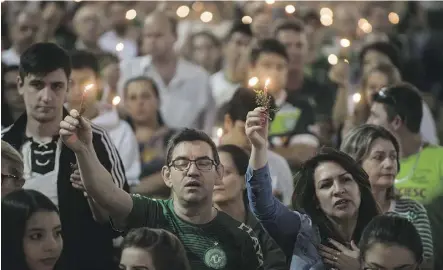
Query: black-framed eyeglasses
{"x": 183, "y": 164}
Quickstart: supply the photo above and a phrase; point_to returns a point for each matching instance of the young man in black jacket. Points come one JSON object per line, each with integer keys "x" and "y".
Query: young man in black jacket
{"x": 43, "y": 81}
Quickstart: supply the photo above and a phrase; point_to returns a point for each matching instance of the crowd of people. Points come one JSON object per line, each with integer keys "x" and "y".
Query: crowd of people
{"x": 297, "y": 138}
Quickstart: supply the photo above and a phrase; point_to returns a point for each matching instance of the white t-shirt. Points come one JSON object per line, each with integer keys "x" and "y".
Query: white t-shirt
{"x": 125, "y": 141}
{"x": 222, "y": 89}
{"x": 108, "y": 42}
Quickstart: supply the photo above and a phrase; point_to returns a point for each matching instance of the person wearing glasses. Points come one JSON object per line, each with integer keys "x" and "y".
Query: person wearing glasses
{"x": 398, "y": 108}
{"x": 390, "y": 243}
{"x": 12, "y": 169}
{"x": 212, "y": 239}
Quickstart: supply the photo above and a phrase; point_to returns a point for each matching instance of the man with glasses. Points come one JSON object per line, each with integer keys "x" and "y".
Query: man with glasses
{"x": 213, "y": 240}
{"x": 399, "y": 109}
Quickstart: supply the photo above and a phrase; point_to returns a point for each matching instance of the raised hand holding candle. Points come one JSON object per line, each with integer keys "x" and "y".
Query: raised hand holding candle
{"x": 262, "y": 97}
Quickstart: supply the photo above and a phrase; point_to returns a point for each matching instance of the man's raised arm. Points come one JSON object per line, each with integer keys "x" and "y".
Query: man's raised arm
{"x": 76, "y": 133}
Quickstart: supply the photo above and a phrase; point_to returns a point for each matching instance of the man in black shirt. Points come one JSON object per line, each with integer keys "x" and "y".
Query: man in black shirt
{"x": 43, "y": 81}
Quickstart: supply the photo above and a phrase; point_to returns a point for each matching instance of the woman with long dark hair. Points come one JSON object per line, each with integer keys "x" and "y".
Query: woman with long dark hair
{"x": 31, "y": 231}
{"x": 332, "y": 198}
{"x": 389, "y": 243}
{"x": 378, "y": 152}
{"x": 230, "y": 197}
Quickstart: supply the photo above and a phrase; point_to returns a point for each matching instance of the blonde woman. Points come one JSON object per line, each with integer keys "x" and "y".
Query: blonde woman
{"x": 377, "y": 151}
{"x": 12, "y": 169}
{"x": 354, "y": 110}
{"x": 373, "y": 80}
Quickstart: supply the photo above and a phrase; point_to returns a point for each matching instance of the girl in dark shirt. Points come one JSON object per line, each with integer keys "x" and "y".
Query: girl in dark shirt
{"x": 31, "y": 231}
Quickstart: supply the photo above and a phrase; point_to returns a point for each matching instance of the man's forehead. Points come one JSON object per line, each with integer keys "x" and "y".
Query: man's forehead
{"x": 378, "y": 107}
{"x": 51, "y": 77}
{"x": 83, "y": 73}
{"x": 27, "y": 17}
{"x": 192, "y": 149}
{"x": 271, "y": 58}
{"x": 11, "y": 73}
{"x": 86, "y": 12}
{"x": 240, "y": 35}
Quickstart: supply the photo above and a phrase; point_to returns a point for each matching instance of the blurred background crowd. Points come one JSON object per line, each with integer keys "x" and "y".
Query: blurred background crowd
{"x": 330, "y": 47}
{"x": 144, "y": 70}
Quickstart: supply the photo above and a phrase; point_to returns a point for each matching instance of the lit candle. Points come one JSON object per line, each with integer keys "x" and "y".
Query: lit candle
{"x": 267, "y": 82}
{"x": 219, "y": 135}
{"x": 116, "y": 100}
{"x": 87, "y": 88}
{"x": 219, "y": 132}
{"x": 119, "y": 47}
{"x": 356, "y": 97}
{"x": 253, "y": 81}
{"x": 344, "y": 42}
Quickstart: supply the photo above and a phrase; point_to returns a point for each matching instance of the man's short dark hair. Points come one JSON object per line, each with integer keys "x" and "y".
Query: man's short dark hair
{"x": 239, "y": 27}
{"x": 311, "y": 15}
{"x": 107, "y": 58}
{"x": 293, "y": 24}
{"x": 268, "y": 45}
{"x": 43, "y": 58}
{"x": 403, "y": 100}
{"x": 190, "y": 135}
{"x": 82, "y": 59}
{"x": 386, "y": 48}
{"x": 244, "y": 101}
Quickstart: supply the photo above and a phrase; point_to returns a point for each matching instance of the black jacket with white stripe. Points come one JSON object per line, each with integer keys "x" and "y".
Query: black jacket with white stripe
{"x": 87, "y": 245}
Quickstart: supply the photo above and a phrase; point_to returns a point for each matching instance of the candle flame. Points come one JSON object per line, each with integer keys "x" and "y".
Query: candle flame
{"x": 356, "y": 97}
{"x": 253, "y": 81}
{"x": 219, "y": 132}
{"x": 267, "y": 82}
{"x": 119, "y": 47}
{"x": 89, "y": 87}
{"x": 116, "y": 100}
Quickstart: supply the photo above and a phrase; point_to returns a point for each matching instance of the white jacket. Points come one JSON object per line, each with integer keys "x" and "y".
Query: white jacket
{"x": 124, "y": 140}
